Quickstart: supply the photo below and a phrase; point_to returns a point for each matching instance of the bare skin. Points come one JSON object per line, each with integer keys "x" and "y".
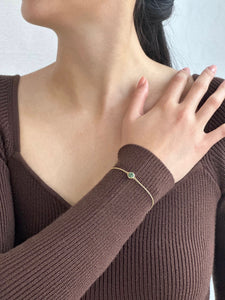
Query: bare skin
{"x": 69, "y": 151}
{"x": 71, "y": 111}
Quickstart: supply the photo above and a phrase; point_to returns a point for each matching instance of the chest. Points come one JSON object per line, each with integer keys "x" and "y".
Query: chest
{"x": 69, "y": 161}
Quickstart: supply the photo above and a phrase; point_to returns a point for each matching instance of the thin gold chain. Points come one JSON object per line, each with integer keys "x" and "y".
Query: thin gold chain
{"x": 131, "y": 175}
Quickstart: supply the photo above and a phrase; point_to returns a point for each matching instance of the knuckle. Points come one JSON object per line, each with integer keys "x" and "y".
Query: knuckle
{"x": 182, "y": 115}
{"x": 214, "y": 101}
{"x": 201, "y": 84}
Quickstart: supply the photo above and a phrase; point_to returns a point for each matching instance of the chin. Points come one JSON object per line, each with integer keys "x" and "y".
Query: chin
{"x": 58, "y": 14}
{"x": 42, "y": 12}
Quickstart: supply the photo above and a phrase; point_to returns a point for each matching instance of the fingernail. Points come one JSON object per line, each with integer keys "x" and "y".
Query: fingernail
{"x": 186, "y": 70}
{"x": 141, "y": 82}
{"x": 212, "y": 68}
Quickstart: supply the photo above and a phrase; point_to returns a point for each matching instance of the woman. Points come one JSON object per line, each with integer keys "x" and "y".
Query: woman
{"x": 73, "y": 226}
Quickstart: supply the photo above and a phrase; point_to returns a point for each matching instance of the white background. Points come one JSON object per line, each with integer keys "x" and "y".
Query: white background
{"x": 195, "y": 35}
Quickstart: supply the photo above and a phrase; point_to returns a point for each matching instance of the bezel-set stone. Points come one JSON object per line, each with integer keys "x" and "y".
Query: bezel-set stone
{"x": 130, "y": 175}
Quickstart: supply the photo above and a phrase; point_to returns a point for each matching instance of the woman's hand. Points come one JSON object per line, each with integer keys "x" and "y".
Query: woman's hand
{"x": 173, "y": 131}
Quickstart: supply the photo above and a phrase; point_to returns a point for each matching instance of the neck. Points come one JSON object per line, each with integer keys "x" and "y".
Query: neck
{"x": 99, "y": 63}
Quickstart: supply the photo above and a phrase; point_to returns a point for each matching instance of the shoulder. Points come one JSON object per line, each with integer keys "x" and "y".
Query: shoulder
{"x": 6, "y": 94}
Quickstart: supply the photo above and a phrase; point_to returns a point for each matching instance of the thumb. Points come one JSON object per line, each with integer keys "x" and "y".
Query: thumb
{"x": 136, "y": 107}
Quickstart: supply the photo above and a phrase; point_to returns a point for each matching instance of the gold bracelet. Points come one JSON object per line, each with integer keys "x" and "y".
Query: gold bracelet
{"x": 131, "y": 175}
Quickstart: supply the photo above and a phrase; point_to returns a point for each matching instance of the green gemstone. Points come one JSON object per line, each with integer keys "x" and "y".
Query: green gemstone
{"x": 131, "y": 175}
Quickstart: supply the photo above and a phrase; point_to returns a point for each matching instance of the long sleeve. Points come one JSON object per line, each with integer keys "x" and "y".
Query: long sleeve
{"x": 65, "y": 258}
{"x": 219, "y": 259}
{"x": 215, "y": 159}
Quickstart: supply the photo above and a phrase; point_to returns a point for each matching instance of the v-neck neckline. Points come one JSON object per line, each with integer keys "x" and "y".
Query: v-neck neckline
{"x": 15, "y": 125}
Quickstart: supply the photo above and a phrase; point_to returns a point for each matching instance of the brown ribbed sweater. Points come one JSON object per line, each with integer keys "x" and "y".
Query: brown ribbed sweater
{"x": 110, "y": 245}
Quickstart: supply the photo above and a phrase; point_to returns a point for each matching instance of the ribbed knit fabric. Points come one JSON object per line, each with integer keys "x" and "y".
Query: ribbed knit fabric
{"x": 111, "y": 245}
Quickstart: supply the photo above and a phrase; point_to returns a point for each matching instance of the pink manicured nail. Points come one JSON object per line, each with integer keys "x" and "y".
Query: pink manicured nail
{"x": 141, "y": 82}
{"x": 212, "y": 68}
{"x": 186, "y": 70}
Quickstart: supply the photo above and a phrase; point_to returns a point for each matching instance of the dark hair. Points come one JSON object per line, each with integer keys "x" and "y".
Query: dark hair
{"x": 148, "y": 18}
